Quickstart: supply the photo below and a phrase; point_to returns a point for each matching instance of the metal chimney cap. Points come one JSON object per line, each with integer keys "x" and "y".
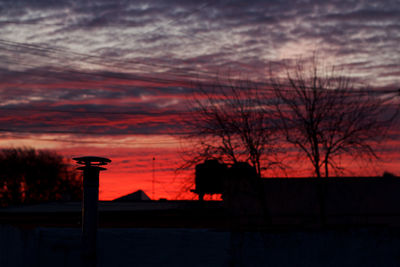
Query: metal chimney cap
{"x": 92, "y": 161}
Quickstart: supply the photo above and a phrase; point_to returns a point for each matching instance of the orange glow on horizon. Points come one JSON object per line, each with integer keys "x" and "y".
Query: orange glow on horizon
{"x": 131, "y": 168}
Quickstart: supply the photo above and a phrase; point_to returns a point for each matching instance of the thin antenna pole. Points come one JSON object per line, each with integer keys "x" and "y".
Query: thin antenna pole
{"x": 154, "y": 179}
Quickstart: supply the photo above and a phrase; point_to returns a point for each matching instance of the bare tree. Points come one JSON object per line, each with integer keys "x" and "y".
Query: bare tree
{"x": 228, "y": 123}
{"x": 325, "y": 117}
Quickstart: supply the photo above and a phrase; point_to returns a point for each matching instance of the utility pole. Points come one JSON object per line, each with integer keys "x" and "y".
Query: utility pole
{"x": 91, "y": 170}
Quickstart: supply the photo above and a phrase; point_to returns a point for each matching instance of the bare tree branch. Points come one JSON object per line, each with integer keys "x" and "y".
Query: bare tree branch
{"x": 325, "y": 117}
{"x": 230, "y": 123}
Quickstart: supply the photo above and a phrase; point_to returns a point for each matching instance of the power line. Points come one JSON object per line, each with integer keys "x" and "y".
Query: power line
{"x": 90, "y": 56}
{"x": 152, "y": 79}
{"x": 105, "y": 63}
{"x": 161, "y": 26}
{"x": 44, "y": 51}
{"x": 112, "y": 75}
{"x": 133, "y": 77}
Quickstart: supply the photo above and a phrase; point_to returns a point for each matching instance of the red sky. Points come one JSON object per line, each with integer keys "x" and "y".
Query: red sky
{"x": 112, "y": 78}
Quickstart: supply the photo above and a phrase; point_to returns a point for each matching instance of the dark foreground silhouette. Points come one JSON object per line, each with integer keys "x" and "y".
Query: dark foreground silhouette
{"x": 260, "y": 222}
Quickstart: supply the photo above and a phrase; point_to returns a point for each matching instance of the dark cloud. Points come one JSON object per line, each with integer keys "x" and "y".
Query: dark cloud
{"x": 366, "y": 15}
{"x": 143, "y": 56}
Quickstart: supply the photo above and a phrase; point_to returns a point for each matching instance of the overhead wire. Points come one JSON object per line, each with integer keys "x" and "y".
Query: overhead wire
{"x": 139, "y": 77}
{"x": 39, "y": 48}
{"x": 87, "y": 56}
{"x": 152, "y": 79}
{"x": 109, "y": 62}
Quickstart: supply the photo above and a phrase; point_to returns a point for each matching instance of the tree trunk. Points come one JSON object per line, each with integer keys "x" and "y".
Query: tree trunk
{"x": 326, "y": 169}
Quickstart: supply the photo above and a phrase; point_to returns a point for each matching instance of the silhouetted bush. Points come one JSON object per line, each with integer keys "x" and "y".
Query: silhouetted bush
{"x": 34, "y": 176}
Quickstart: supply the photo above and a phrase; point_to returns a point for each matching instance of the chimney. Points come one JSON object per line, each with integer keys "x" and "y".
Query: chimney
{"x": 91, "y": 169}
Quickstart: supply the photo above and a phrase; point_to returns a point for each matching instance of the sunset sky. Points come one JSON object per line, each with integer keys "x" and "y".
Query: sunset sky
{"x": 110, "y": 78}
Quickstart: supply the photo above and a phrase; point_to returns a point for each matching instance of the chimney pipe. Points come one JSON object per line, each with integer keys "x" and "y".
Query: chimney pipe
{"x": 91, "y": 169}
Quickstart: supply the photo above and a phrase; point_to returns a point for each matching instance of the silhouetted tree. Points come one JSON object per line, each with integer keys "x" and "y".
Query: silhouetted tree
{"x": 325, "y": 117}
{"x": 228, "y": 123}
{"x": 33, "y": 176}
